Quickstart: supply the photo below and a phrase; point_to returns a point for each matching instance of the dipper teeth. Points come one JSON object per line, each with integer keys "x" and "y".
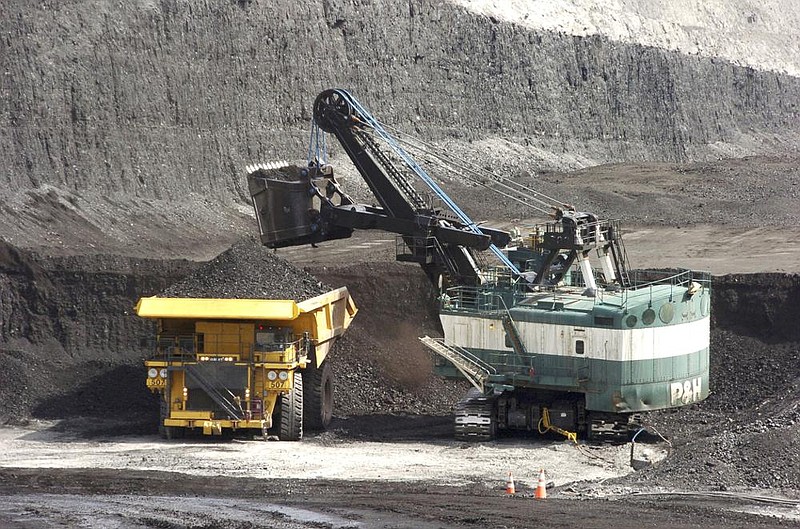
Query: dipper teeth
{"x": 269, "y": 166}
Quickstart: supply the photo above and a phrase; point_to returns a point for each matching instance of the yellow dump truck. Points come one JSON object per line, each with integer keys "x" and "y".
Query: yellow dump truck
{"x": 227, "y": 365}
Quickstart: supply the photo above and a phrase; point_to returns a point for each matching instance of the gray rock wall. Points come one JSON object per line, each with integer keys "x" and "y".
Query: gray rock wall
{"x": 155, "y": 99}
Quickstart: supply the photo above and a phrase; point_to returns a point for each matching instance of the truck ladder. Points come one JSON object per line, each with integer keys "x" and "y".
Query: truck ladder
{"x": 206, "y": 381}
{"x": 475, "y": 370}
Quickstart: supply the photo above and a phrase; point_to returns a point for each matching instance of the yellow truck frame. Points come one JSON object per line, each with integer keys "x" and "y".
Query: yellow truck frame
{"x": 223, "y": 365}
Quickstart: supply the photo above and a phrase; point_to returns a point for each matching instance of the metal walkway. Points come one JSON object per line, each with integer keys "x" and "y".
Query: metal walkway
{"x": 475, "y": 370}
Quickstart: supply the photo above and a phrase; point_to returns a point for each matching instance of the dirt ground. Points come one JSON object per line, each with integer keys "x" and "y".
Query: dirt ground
{"x": 718, "y": 249}
{"x": 419, "y": 449}
{"x": 418, "y": 480}
{"x": 159, "y": 499}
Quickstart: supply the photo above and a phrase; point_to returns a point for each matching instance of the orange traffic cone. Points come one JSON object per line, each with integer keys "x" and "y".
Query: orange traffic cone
{"x": 541, "y": 487}
{"x": 510, "y": 489}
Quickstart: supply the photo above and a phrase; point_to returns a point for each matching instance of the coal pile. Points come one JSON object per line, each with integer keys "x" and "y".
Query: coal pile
{"x": 70, "y": 339}
{"x": 367, "y": 382}
{"x": 247, "y": 270}
{"x": 98, "y": 354}
{"x": 380, "y": 365}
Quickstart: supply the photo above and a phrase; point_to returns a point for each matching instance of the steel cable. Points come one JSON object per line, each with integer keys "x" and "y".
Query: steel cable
{"x": 475, "y": 174}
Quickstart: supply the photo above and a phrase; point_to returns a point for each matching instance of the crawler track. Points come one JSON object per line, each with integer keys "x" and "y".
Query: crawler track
{"x": 475, "y": 417}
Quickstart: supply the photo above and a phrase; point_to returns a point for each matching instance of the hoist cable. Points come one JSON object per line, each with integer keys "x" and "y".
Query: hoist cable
{"x": 507, "y": 183}
{"x": 414, "y": 166}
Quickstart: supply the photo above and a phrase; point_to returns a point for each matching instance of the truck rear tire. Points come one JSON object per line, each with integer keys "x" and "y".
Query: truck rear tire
{"x": 318, "y": 396}
{"x": 292, "y": 411}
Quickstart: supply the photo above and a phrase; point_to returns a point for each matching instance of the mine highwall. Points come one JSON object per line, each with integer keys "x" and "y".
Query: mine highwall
{"x": 152, "y": 98}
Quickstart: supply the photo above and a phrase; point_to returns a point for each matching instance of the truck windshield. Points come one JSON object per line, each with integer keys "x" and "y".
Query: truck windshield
{"x": 271, "y": 340}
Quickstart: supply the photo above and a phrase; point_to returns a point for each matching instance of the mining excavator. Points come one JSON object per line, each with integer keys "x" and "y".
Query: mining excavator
{"x": 552, "y": 328}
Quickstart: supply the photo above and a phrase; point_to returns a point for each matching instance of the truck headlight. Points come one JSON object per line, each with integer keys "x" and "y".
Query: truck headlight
{"x": 152, "y": 372}
{"x": 163, "y": 372}
{"x": 272, "y": 375}
{"x": 283, "y": 375}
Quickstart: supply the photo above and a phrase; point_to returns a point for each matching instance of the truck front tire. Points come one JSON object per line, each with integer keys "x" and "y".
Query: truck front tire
{"x": 168, "y": 432}
{"x": 292, "y": 411}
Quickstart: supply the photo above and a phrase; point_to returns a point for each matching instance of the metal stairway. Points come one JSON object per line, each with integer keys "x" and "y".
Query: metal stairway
{"x": 475, "y": 370}
{"x": 513, "y": 335}
{"x": 206, "y": 381}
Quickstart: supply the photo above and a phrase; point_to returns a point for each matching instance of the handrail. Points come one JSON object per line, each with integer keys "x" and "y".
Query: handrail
{"x": 184, "y": 347}
{"x": 483, "y": 297}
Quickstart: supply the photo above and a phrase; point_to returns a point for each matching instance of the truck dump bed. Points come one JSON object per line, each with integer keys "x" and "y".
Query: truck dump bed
{"x": 324, "y": 317}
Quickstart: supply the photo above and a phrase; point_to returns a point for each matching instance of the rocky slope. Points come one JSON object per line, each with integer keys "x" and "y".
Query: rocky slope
{"x": 747, "y": 433}
{"x": 116, "y": 117}
{"x": 69, "y": 338}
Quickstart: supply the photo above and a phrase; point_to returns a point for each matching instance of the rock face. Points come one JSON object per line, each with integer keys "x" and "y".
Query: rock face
{"x": 163, "y": 99}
